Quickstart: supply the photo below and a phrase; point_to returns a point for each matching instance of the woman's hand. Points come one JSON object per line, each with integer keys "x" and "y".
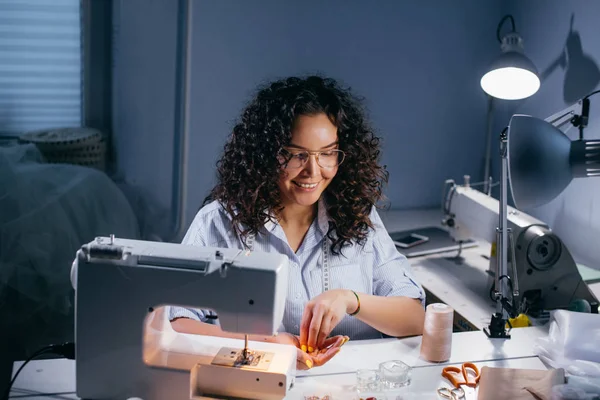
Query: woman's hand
{"x": 304, "y": 360}
{"x": 322, "y": 314}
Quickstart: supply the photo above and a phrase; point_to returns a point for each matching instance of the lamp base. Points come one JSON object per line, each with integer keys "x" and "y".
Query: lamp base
{"x": 497, "y": 328}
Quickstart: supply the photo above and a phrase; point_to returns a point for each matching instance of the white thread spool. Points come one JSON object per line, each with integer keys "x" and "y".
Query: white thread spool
{"x": 436, "y": 345}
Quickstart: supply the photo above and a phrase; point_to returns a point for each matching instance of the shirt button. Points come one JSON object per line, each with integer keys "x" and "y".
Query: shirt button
{"x": 296, "y": 327}
{"x": 298, "y": 295}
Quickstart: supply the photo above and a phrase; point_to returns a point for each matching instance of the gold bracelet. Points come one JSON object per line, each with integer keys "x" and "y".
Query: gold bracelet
{"x": 357, "y": 308}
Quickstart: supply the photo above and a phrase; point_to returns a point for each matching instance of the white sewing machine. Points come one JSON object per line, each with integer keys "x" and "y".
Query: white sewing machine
{"x": 125, "y": 346}
{"x": 543, "y": 272}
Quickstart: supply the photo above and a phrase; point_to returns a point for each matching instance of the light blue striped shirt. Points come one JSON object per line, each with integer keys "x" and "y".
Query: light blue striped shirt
{"x": 375, "y": 268}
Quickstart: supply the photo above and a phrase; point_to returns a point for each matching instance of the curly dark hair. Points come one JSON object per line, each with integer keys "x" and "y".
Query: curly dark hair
{"x": 247, "y": 185}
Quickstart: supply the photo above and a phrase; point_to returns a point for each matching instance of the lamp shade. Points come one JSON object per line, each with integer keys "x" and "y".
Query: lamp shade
{"x": 539, "y": 161}
{"x": 512, "y": 76}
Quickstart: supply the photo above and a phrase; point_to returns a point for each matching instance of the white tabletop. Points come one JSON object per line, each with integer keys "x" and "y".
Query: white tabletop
{"x": 54, "y": 379}
{"x": 463, "y": 285}
{"x": 466, "y": 346}
{"x": 424, "y": 383}
{"x": 58, "y": 376}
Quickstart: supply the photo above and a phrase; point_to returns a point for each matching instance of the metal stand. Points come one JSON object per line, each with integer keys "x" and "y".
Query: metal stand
{"x": 487, "y": 174}
{"x": 504, "y": 308}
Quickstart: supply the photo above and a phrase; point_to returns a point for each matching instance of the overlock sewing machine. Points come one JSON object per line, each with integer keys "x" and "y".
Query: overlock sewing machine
{"x": 542, "y": 270}
{"x": 126, "y": 347}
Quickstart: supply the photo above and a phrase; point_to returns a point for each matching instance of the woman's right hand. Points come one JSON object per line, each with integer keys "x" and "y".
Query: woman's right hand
{"x": 317, "y": 358}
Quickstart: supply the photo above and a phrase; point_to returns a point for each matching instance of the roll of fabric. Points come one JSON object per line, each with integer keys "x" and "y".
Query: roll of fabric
{"x": 436, "y": 344}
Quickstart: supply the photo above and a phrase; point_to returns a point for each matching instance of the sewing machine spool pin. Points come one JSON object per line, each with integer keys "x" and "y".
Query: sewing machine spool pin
{"x": 101, "y": 249}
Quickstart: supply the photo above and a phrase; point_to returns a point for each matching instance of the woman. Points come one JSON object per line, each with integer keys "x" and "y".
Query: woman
{"x": 300, "y": 176}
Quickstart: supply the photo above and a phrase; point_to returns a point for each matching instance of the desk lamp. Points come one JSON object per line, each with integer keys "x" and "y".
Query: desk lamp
{"x": 512, "y": 76}
{"x": 538, "y": 162}
{"x": 543, "y": 161}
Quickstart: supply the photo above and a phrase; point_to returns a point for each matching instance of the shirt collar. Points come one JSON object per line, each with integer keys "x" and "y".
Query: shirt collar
{"x": 271, "y": 223}
{"x": 322, "y": 218}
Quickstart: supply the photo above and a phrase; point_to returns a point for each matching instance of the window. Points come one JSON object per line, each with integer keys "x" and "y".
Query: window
{"x": 40, "y": 65}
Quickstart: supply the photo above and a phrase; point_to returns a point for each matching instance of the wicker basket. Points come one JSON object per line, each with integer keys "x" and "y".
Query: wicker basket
{"x": 79, "y": 146}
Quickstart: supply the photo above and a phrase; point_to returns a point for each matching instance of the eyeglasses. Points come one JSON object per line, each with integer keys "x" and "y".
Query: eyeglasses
{"x": 325, "y": 159}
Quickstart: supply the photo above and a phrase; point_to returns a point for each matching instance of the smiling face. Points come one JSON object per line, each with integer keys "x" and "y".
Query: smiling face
{"x": 304, "y": 185}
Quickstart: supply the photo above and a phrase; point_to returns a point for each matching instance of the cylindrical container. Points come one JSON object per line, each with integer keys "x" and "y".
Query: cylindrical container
{"x": 367, "y": 380}
{"x": 394, "y": 374}
{"x": 436, "y": 344}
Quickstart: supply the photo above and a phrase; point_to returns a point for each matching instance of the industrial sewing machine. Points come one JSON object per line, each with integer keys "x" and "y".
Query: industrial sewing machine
{"x": 543, "y": 275}
{"x": 125, "y": 346}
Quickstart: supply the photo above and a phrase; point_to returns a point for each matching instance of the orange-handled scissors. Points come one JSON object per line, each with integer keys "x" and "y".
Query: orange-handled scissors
{"x": 458, "y": 377}
{"x": 462, "y": 376}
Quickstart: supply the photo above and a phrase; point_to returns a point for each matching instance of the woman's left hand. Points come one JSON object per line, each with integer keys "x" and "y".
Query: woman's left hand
{"x": 322, "y": 314}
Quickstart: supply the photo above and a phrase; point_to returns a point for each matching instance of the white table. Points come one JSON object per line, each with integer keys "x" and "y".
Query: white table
{"x": 55, "y": 379}
{"x": 466, "y": 346}
{"x": 463, "y": 285}
{"x": 424, "y": 384}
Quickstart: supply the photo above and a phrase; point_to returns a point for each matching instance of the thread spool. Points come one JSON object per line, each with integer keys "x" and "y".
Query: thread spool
{"x": 436, "y": 344}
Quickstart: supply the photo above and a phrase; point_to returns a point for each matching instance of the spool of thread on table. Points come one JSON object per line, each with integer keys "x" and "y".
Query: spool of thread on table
{"x": 436, "y": 344}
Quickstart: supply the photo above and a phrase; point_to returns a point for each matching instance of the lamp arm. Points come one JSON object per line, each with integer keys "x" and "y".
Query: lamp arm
{"x": 559, "y": 120}
{"x": 585, "y": 116}
{"x": 581, "y": 121}
{"x": 503, "y": 224}
{"x": 497, "y": 327}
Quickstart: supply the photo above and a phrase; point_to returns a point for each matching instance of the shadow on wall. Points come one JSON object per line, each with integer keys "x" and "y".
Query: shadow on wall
{"x": 582, "y": 72}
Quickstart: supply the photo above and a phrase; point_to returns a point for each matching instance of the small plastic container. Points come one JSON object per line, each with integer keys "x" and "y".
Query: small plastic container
{"x": 367, "y": 380}
{"x": 394, "y": 374}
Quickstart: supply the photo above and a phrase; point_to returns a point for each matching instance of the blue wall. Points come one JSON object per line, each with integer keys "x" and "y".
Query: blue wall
{"x": 144, "y": 59}
{"x": 417, "y": 64}
{"x": 548, "y": 34}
